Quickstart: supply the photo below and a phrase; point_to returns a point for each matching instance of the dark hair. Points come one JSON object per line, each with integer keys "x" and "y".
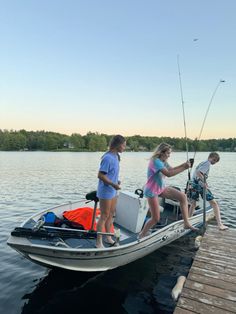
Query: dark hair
{"x": 116, "y": 141}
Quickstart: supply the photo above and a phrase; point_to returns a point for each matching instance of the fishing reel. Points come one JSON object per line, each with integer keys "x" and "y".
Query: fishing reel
{"x": 139, "y": 192}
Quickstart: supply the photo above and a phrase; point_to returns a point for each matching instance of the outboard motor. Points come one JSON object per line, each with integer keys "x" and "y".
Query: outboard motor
{"x": 92, "y": 196}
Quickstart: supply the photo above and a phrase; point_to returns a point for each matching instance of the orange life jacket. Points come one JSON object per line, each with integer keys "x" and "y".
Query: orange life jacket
{"x": 84, "y": 216}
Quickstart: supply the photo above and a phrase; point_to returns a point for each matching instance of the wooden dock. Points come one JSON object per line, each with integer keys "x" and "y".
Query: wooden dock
{"x": 211, "y": 283}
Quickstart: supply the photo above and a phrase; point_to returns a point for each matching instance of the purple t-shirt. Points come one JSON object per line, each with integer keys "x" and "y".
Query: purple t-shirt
{"x": 110, "y": 166}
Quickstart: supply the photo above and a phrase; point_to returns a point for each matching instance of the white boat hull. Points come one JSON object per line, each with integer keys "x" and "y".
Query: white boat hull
{"x": 93, "y": 259}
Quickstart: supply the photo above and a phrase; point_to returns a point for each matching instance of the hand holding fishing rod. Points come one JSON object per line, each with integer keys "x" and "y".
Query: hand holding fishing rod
{"x": 188, "y": 164}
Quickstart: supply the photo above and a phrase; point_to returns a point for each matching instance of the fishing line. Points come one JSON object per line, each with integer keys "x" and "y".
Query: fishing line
{"x": 182, "y": 102}
{"x": 204, "y": 120}
{"x": 199, "y": 136}
{"x": 200, "y": 133}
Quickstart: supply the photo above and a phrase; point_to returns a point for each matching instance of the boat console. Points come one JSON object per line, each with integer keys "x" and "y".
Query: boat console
{"x": 131, "y": 211}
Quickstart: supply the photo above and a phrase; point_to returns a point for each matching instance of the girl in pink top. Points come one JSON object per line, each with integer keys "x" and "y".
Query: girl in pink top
{"x": 158, "y": 169}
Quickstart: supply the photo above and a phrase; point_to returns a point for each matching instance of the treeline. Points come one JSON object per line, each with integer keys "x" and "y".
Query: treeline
{"x": 50, "y": 141}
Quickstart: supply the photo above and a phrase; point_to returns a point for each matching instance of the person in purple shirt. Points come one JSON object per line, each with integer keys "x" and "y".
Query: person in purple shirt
{"x": 158, "y": 169}
{"x": 108, "y": 185}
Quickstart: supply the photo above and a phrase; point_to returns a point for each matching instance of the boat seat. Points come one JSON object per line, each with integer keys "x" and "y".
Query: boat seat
{"x": 92, "y": 196}
{"x": 176, "y": 206}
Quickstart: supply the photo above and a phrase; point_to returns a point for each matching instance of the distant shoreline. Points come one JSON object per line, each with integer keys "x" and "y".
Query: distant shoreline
{"x": 94, "y": 142}
{"x": 99, "y": 151}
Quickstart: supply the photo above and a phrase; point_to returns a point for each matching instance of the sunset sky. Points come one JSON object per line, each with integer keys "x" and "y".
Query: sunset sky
{"x": 73, "y": 66}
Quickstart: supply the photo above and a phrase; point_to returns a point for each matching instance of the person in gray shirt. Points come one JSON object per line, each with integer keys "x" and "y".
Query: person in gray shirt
{"x": 198, "y": 184}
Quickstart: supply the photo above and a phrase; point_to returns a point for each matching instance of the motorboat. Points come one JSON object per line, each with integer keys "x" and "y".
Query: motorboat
{"x": 75, "y": 249}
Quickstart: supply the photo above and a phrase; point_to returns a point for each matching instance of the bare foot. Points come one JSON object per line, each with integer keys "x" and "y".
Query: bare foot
{"x": 188, "y": 226}
{"x": 99, "y": 245}
{"x": 141, "y": 235}
{"x": 110, "y": 241}
{"x": 223, "y": 227}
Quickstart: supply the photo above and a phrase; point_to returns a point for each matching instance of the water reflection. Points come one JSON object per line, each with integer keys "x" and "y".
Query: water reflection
{"x": 143, "y": 286}
{"x": 64, "y": 291}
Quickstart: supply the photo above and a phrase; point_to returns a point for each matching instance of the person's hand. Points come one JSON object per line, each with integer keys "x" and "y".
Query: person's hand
{"x": 116, "y": 186}
{"x": 187, "y": 164}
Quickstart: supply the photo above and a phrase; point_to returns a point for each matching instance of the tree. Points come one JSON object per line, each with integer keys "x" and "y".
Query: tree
{"x": 77, "y": 141}
{"x": 97, "y": 143}
{"x": 134, "y": 145}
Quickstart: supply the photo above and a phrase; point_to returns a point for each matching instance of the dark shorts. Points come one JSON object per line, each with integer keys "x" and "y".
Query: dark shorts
{"x": 198, "y": 190}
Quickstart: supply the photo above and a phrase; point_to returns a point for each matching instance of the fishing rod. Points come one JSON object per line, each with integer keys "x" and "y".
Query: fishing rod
{"x": 182, "y": 102}
{"x": 204, "y": 120}
{"x": 200, "y": 133}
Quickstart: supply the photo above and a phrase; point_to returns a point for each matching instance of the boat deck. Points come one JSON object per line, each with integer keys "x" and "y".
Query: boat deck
{"x": 167, "y": 217}
{"x": 211, "y": 283}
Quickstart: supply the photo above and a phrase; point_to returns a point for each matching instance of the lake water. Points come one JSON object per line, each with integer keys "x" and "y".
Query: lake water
{"x": 32, "y": 181}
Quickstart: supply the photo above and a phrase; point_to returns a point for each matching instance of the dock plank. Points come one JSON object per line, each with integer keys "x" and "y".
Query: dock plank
{"x": 212, "y": 246}
{"x": 216, "y": 291}
{"x": 211, "y": 283}
{"x": 218, "y": 257}
{"x": 213, "y": 274}
{"x": 209, "y": 299}
{"x": 199, "y": 307}
{"x": 183, "y": 311}
{"x": 218, "y": 262}
{"x": 213, "y": 267}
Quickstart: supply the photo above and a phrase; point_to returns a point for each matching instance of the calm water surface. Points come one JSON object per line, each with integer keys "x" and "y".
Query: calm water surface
{"x": 32, "y": 181}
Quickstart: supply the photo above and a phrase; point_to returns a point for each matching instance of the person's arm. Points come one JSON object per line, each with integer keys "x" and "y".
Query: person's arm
{"x": 200, "y": 177}
{"x": 102, "y": 176}
{"x": 170, "y": 172}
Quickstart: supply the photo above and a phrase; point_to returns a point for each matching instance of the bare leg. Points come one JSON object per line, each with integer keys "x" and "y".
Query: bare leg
{"x": 155, "y": 215}
{"x": 216, "y": 208}
{"x": 175, "y": 194}
{"x": 192, "y": 208}
{"x": 109, "y": 221}
{"x": 105, "y": 206}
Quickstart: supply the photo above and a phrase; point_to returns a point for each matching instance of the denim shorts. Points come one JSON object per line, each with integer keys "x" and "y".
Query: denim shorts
{"x": 197, "y": 190}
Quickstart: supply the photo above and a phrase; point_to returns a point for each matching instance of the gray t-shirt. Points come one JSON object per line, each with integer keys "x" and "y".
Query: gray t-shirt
{"x": 204, "y": 168}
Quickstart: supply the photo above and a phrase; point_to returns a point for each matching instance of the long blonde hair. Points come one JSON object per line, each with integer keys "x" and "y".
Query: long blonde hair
{"x": 160, "y": 150}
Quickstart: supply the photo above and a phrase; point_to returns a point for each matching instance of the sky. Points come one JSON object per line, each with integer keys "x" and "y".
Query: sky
{"x": 109, "y": 66}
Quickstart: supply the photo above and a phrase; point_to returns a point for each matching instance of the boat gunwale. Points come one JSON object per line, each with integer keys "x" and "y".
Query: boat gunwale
{"x": 136, "y": 242}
